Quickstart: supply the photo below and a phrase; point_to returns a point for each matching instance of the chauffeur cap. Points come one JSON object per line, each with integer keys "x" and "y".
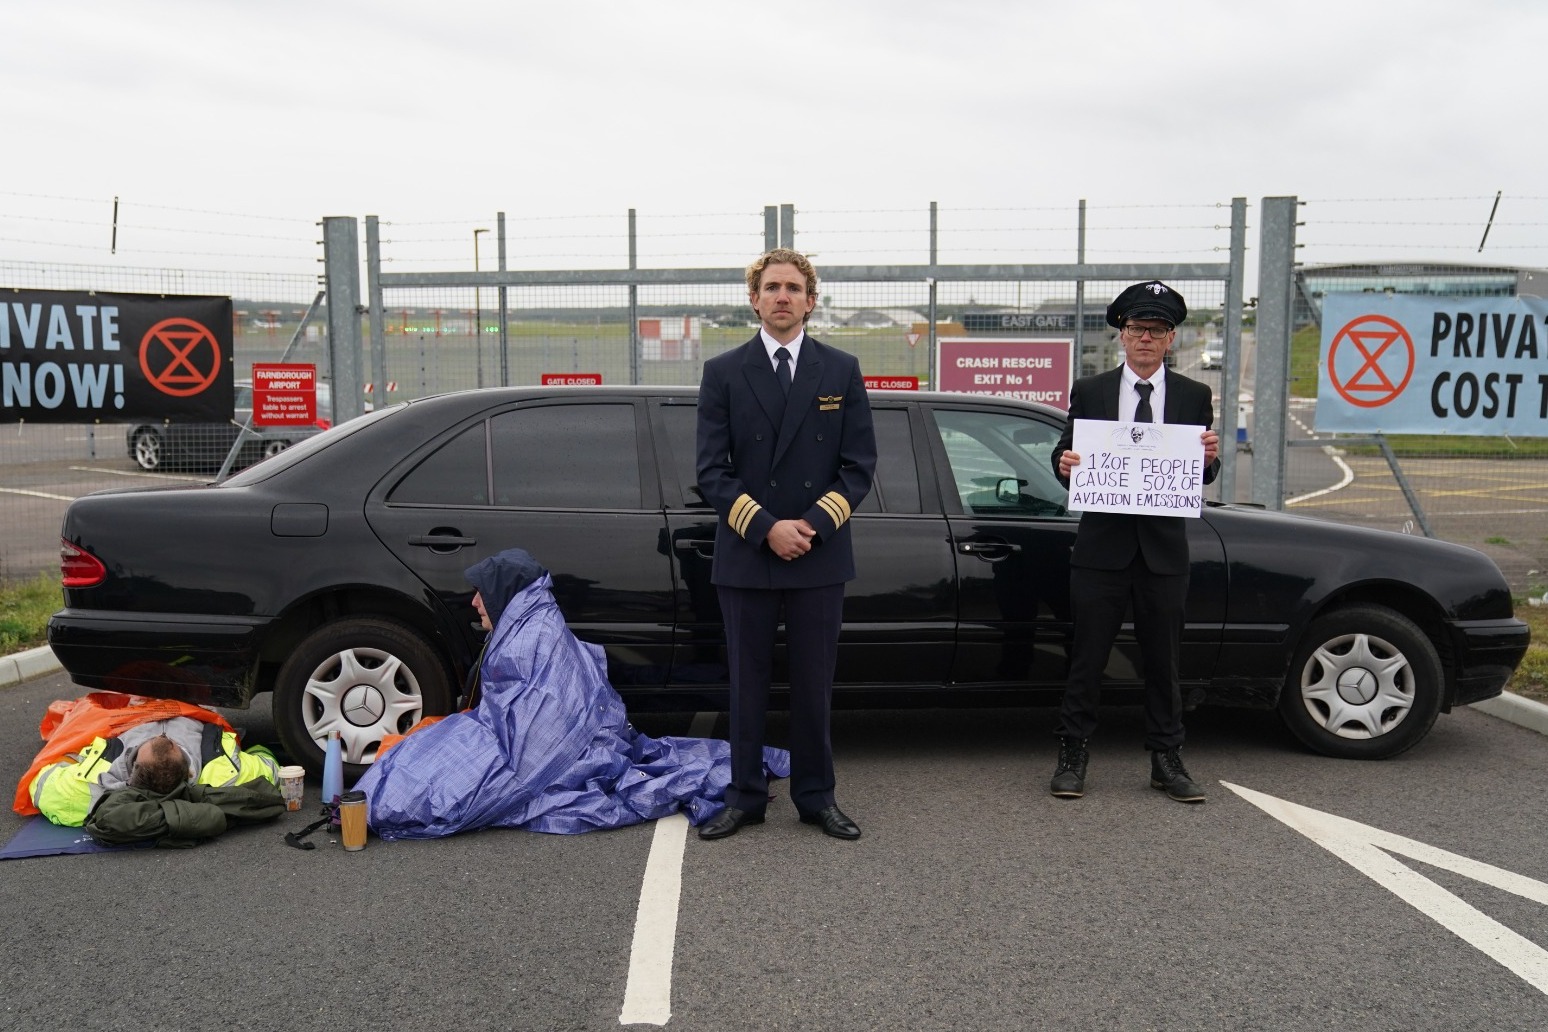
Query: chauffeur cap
{"x": 1150, "y": 300}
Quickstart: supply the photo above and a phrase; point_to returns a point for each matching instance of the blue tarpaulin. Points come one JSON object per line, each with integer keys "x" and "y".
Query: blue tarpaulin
{"x": 549, "y": 746}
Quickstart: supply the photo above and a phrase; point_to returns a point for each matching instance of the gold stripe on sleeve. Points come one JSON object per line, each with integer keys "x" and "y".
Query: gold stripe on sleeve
{"x": 837, "y": 506}
{"x": 742, "y": 512}
{"x": 828, "y": 507}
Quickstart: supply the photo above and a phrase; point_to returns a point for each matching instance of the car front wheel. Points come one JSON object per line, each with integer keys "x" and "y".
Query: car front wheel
{"x": 1365, "y": 684}
{"x": 365, "y": 678}
{"x": 273, "y": 448}
{"x": 147, "y": 449}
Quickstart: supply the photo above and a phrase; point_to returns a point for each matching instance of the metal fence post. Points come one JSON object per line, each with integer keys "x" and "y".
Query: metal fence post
{"x": 505, "y": 318}
{"x": 770, "y": 227}
{"x": 378, "y": 313}
{"x": 341, "y": 265}
{"x": 1271, "y": 390}
{"x": 1080, "y": 294}
{"x": 787, "y": 225}
{"x": 1231, "y": 348}
{"x": 935, "y": 240}
{"x": 634, "y": 306}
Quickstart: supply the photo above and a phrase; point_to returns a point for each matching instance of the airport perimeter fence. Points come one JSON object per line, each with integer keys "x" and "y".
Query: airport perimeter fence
{"x": 1487, "y": 492}
{"x": 615, "y": 300}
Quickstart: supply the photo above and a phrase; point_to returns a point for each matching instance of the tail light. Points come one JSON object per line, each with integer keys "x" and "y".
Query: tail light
{"x": 78, "y": 569}
{"x": 324, "y": 423}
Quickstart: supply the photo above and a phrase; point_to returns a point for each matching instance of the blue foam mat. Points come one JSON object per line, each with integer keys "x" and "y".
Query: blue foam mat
{"x": 39, "y": 837}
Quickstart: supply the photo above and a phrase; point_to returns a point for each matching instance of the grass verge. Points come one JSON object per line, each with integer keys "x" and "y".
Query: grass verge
{"x": 25, "y": 607}
{"x": 1531, "y": 678}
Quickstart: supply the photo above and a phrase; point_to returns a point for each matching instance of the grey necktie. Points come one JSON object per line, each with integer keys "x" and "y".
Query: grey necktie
{"x": 1142, "y": 413}
{"x": 782, "y": 371}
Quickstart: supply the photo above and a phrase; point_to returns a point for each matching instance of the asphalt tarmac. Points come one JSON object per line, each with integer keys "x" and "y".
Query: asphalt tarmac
{"x": 973, "y": 901}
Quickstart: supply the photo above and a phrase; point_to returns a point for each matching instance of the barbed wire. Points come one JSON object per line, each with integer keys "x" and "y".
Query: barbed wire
{"x": 1428, "y": 247}
{"x": 143, "y": 250}
{"x": 1413, "y": 200}
{"x": 488, "y": 217}
{"x": 145, "y": 227}
{"x": 124, "y": 202}
{"x": 1498, "y": 223}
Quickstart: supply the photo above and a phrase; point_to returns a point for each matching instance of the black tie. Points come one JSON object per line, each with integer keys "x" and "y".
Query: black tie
{"x": 782, "y": 371}
{"x": 1142, "y": 412}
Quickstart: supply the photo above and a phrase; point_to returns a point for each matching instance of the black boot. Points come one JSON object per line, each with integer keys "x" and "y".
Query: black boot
{"x": 1069, "y": 780}
{"x": 1168, "y": 773}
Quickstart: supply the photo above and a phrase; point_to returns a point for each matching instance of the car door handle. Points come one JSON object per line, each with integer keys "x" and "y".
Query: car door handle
{"x": 441, "y": 540}
{"x": 701, "y": 546}
{"x": 991, "y": 551}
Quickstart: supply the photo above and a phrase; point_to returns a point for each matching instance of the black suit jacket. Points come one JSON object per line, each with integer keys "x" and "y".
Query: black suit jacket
{"x": 1109, "y": 540}
{"x": 764, "y": 456}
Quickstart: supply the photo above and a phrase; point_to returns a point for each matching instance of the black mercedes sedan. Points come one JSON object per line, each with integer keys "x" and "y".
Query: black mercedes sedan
{"x": 331, "y": 575}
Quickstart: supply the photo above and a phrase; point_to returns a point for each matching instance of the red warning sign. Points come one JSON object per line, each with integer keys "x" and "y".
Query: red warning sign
{"x": 891, "y": 383}
{"x": 572, "y": 380}
{"x": 284, "y": 394}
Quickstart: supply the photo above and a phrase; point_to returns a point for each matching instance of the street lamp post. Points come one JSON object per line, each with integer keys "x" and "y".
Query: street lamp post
{"x": 478, "y": 313}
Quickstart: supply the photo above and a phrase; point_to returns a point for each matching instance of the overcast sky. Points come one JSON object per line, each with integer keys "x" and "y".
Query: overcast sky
{"x": 228, "y": 128}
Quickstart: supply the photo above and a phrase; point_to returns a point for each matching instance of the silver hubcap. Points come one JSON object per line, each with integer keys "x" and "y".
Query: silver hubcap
{"x": 1358, "y": 686}
{"x": 363, "y": 694}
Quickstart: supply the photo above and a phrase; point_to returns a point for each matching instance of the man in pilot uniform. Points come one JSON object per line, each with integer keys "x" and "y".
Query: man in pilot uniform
{"x": 1121, "y": 559}
{"x": 786, "y": 453}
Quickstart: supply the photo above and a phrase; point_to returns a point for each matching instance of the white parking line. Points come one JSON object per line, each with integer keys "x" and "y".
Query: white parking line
{"x": 648, "y": 992}
{"x": 1369, "y": 851}
{"x": 1332, "y": 453}
{"x": 36, "y": 494}
{"x": 136, "y": 473}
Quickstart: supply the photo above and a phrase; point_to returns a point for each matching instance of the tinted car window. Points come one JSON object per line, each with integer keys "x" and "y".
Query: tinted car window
{"x": 566, "y": 457}
{"x": 896, "y": 488}
{"x": 1000, "y": 463}
{"x": 457, "y": 473}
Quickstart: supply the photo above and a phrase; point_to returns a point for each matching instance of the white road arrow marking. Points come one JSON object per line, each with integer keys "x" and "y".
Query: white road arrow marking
{"x": 1368, "y": 850}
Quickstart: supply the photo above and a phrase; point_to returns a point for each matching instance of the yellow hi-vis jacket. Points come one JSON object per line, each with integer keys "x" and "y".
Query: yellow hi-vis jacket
{"x": 66, "y": 791}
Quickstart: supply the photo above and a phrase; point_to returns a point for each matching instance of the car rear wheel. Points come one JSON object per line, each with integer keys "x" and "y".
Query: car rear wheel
{"x": 1365, "y": 684}
{"x": 147, "y": 449}
{"x": 273, "y": 448}
{"x": 365, "y": 678}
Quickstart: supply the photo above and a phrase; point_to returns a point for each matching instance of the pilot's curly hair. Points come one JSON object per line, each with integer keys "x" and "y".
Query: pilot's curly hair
{"x": 782, "y": 256}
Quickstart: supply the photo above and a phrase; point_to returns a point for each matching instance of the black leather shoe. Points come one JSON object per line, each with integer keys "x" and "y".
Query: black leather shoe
{"x": 728, "y": 822}
{"x": 833, "y": 823}
{"x": 1168, "y": 774}
{"x": 1069, "y": 780}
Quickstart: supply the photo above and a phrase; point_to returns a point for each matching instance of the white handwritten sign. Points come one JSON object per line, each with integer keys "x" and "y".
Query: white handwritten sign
{"x": 1151, "y": 469}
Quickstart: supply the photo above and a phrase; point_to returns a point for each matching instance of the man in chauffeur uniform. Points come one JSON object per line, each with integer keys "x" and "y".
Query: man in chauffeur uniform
{"x": 1120, "y": 559}
{"x": 786, "y": 453}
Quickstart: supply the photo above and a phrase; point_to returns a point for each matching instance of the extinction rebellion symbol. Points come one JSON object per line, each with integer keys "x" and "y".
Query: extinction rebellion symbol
{"x": 1364, "y": 365}
{"x": 179, "y": 357}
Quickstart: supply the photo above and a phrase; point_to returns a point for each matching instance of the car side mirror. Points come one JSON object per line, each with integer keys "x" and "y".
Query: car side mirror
{"x": 1008, "y": 489}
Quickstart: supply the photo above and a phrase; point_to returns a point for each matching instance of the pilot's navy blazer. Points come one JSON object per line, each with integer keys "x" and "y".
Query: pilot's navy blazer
{"x": 808, "y": 455}
{"x": 1109, "y": 540}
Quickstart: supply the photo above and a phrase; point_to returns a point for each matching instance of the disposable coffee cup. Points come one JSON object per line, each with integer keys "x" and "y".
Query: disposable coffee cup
{"x": 292, "y": 782}
{"x": 352, "y": 820}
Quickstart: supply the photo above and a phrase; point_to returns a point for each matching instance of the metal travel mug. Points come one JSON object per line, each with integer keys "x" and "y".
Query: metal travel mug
{"x": 352, "y": 820}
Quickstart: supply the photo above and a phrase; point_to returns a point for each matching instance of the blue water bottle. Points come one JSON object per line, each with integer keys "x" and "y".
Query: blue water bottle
{"x": 333, "y": 771}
